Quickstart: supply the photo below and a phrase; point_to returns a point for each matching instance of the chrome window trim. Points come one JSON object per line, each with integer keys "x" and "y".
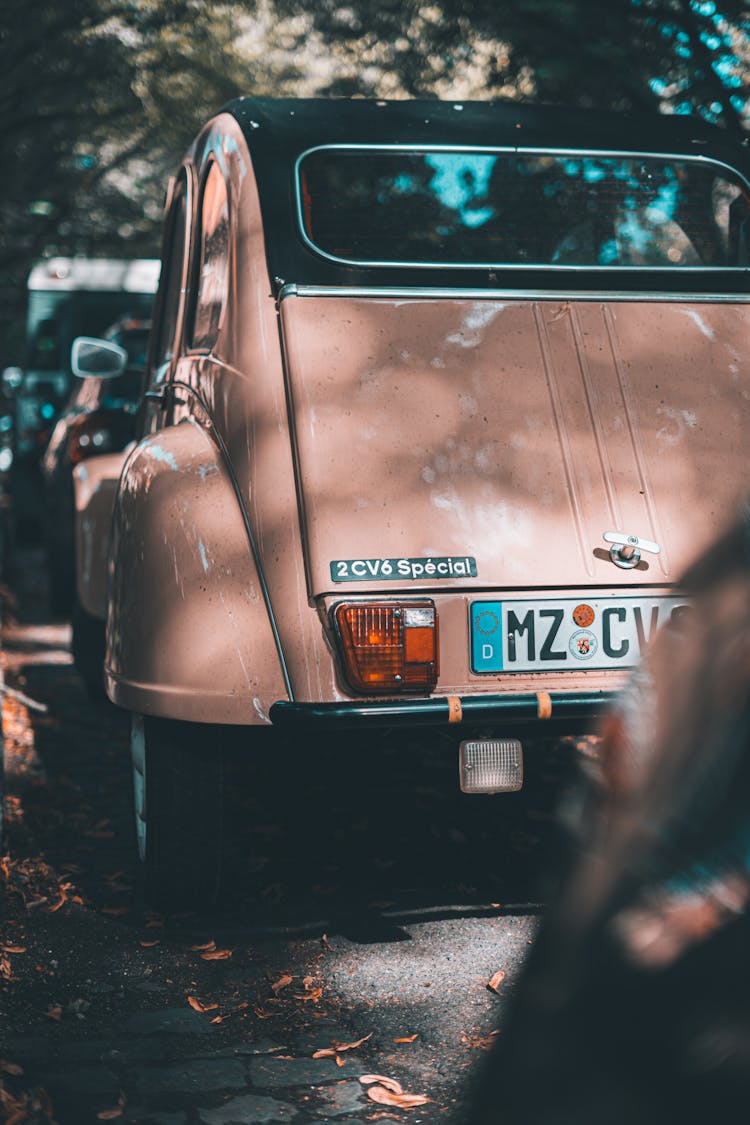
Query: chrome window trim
{"x": 518, "y": 149}
{"x": 419, "y": 293}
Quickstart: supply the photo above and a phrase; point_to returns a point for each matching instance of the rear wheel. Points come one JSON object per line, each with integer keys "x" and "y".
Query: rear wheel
{"x": 178, "y": 780}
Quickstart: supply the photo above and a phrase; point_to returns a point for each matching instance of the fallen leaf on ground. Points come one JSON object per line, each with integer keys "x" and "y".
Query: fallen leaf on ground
{"x": 407, "y": 1038}
{"x": 217, "y": 1019}
{"x": 13, "y": 948}
{"x": 11, "y": 1068}
{"x": 282, "y": 982}
{"x": 149, "y": 944}
{"x": 387, "y": 1091}
{"x": 339, "y": 1048}
{"x": 203, "y": 948}
{"x": 311, "y": 994}
{"x": 111, "y": 1114}
{"x": 481, "y": 1042}
{"x": 389, "y": 1083}
{"x": 382, "y": 1096}
{"x": 496, "y": 980}
{"x": 199, "y": 1006}
{"x": 217, "y": 955}
{"x": 54, "y": 1012}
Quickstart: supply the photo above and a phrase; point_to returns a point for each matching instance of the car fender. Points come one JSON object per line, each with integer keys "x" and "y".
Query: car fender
{"x": 94, "y": 488}
{"x": 189, "y": 624}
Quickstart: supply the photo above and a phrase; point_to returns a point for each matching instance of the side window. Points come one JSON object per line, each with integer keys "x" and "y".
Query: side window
{"x": 213, "y": 268}
{"x": 173, "y": 264}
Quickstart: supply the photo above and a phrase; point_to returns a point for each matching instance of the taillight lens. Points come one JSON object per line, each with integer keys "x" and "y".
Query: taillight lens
{"x": 388, "y": 646}
{"x": 90, "y": 434}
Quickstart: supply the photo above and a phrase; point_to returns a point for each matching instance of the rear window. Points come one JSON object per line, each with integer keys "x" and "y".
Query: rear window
{"x": 522, "y": 209}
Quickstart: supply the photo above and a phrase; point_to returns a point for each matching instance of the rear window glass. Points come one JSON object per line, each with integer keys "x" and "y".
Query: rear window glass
{"x": 490, "y": 208}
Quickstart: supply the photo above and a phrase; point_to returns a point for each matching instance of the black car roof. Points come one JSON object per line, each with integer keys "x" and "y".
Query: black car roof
{"x": 280, "y": 130}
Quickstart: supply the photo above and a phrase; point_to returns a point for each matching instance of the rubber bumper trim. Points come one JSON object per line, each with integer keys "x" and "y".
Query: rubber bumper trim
{"x": 573, "y": 706}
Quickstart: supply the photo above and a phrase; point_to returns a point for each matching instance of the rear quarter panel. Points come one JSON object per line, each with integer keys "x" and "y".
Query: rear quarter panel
{"x": 188, "y": 634}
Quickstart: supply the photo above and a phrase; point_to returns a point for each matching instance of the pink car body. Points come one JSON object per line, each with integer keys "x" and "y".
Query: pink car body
{"x": 375, "y": 489}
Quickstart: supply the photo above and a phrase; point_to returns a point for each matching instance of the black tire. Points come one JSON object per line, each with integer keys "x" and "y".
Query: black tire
{"x": 88, "y": 645}
{"x": 61, "y": 582}
{"x": 178, "y": 774}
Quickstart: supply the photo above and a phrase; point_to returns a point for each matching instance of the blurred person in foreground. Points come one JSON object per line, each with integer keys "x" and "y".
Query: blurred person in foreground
{"x": 635, "y": 1003}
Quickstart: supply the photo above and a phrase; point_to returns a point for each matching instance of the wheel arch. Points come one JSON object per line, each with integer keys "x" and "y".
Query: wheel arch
{"x": 190, "y": 633}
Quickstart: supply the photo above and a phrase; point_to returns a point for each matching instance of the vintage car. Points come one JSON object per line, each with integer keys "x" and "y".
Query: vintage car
{"x": 98, "y": 417}
{"x": 440, "y": 400}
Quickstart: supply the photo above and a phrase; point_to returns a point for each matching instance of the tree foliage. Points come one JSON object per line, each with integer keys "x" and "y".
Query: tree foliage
{"x": 670, "y": 55}
{"x": 99, "y": 98}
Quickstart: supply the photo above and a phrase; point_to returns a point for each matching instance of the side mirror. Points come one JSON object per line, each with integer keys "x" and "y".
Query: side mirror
{"x": 12, "y": 378}
{"x": 98, "y": 359}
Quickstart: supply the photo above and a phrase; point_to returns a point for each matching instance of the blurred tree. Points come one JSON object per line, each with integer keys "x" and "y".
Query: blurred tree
{"x": 99, "y": 98}
{"x": 675, "y": 55}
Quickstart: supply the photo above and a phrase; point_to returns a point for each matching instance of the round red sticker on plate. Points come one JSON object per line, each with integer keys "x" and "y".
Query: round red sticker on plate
{"x": 583, "y": 615}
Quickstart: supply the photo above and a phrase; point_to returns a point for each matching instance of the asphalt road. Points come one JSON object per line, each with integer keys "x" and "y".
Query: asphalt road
{"x": 367, "y": 906}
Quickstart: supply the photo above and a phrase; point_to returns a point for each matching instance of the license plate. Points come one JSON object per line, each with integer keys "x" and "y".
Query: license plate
{"x": 565, "y": 634}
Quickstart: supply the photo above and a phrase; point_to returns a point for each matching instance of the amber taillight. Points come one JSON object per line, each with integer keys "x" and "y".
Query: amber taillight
{"x": 388, "y": 647}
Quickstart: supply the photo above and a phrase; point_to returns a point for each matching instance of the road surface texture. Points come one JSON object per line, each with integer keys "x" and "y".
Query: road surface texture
{"x": 367, "y": 906}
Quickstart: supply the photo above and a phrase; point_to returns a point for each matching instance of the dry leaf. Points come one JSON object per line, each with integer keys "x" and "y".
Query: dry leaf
{"x": 389, "y": 1083}
{"x": 54, "y": 1012}
{"x": 111, "y": 1114}
{"x": 203, "y": 948}
{"x": 313, "y": 994}
{"x": 217, "y": 1019}
{"x": 496, "y": 980}
{"x": 481, "y": 1042}
{"x": 155, "y": 924}
{"x": 308, "y": 982}
{"x": 56, "y": 905}
{"x": 149, "y": 944}
{"x": 217, "y": 955}
{"x": 199, "y": 1006}
{"x": 339, "y": 1048}
{"x": 382, "y": 1096}
{"x": 282, "y": 982}
{"x": 13, "y": 948}
{"x": 11, "y": 1068}
{"x": 407, "y": 1038}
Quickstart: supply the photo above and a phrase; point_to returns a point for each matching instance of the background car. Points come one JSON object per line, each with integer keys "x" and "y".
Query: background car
{"x": 67, "y": 297}
{"x": 440, "y": 399}
{"x": 99, "y": 417}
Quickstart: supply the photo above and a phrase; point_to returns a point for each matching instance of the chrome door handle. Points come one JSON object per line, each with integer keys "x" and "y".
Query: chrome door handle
{"x": 626, "y": 549}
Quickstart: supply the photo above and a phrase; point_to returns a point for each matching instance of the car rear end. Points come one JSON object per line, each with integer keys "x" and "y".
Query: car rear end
{"x": 499, "y": 490}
